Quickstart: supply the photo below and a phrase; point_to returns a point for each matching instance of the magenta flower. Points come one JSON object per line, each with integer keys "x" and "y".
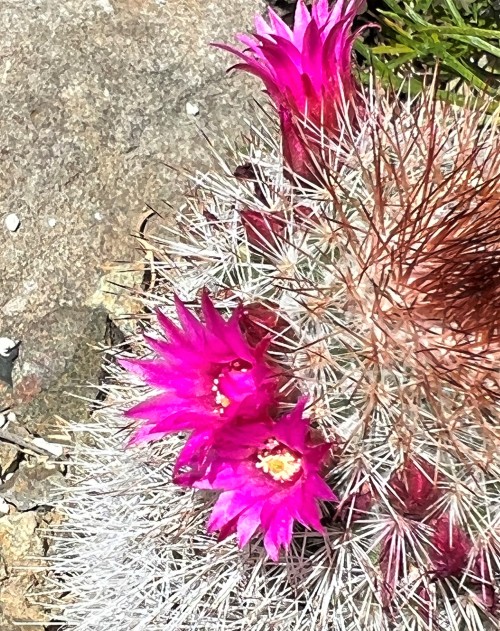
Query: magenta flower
{"x": 208, "y": 375}
{"x": 307, "y": 72}
{"x": 269, "y": 475}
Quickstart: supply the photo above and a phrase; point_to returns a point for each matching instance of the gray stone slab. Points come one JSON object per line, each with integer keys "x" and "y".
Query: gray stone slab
{"x": 92, "y": 106}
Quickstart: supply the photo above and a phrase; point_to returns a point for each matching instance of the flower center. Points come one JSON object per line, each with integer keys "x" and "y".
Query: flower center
{"x": 278, "y": 462}
{"x": 221, "y": 400}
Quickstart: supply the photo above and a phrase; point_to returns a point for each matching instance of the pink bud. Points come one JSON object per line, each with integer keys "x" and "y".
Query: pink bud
{"x": 450, "y": 548}
{"x": 414, "y": 489}
{"x": 259, "y": 320}
{"x": 485, "y": 582}
{"x": 356, "y": 505}
{"x": 262, "y": 228}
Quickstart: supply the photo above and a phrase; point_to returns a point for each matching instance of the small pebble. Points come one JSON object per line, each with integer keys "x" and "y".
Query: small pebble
{"x": 51, "y": 221}
{"x": 98, "y": 216}
{"x": 8, "y": 476}
{"x": 192, "y": 109}
{"x": 483, "y": 61}
{"x": 12, "y": 222}
{"x": 4, "y": 507}
{"x": 105, "y": 5}
{"x": 11, "y": 417}
{"x": 54, "y": 448}
{"x": 30, "y": 285}
{"x": 6, "y": 345}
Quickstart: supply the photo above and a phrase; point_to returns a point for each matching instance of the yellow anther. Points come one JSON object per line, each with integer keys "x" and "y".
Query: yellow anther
{"x": 282, "y": 467}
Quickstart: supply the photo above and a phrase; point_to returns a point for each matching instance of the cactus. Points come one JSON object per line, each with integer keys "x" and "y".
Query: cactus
{"x": 385, "y": 284}
{"x": 377, "y": 285}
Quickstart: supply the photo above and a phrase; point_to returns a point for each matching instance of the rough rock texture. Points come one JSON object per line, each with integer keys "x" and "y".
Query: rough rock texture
{"x": 34, "y": 484}
{"x": 8, "y": 457}
{"x": 94, "y": 104}
{"x": 20, "y": 545}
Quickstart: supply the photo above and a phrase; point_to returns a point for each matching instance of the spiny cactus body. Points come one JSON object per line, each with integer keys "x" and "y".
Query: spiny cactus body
{"x": 379, "y": 290}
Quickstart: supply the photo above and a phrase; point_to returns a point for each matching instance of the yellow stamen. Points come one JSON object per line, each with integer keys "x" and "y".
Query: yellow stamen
{"x": 222, "y": 400}
{"x": 280, "y": 466}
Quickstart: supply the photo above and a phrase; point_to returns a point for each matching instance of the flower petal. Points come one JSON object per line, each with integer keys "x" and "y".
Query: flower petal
{"x": 277, "y": 523}
{"x": 248, "y": 522}
{"x": 300, "y": 23}
{"x": 229, "y": 505}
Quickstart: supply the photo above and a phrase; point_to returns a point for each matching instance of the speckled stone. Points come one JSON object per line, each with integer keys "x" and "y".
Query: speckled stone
{"x": 21, "y": 546}
{"x": 34, "y": 484}
{"x": 56, "y": 380}
{"x": 8, "y": 457}
{"x": 93, "y": 103}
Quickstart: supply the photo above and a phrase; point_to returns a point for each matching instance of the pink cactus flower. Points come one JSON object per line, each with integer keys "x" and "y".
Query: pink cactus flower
{"x": 307, "y": 72}
{"x": 269, "y": 475}
{"x": 208, "y": 375}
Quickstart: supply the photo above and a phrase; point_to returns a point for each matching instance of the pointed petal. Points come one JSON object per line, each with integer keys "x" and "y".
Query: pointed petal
{"x": 250, "y": 42}
{"x": 228, "y": 506}
{"x": 248, "y": 522}
{"x": 318, "y": 488}
{"x": 320, "y": 11}
{"x": 173, "y": 333}
{"x": 160, "y": 375}
{"x": 312, "y": 58}
{"x": 277, "y": 524}
{"x": 191, "y": 325}
{"x": 161, "y": 347}
{"x": 287, "y": 75}
{"x": 172, "y": 413}
{"x": 153, "y": 408}
{"x": 279, "y": 26}
{"x": 271, "y": 545}
{"x": 228, "y": 529}
{"x": 261, "y": 26}
{"x": 292, "y": 429}
{"x": 234, "y": 475}
{"x": 262, "y": 73}
{"x": 290, "y": 50}
{"x": 300, "y": 22}
{"x": 306, "y": 508}
{"x": 213, "y": 319}
{"x": 192, "y": 461}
